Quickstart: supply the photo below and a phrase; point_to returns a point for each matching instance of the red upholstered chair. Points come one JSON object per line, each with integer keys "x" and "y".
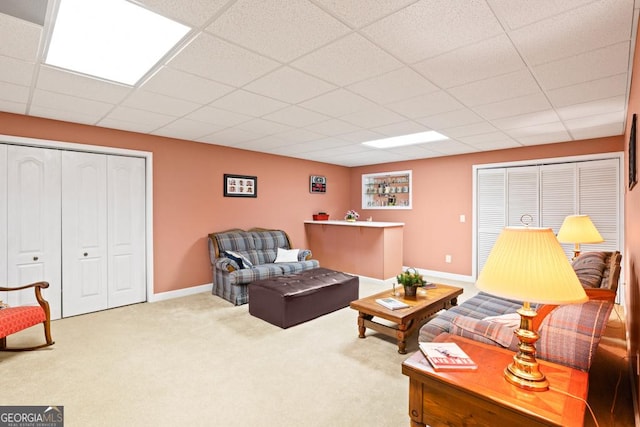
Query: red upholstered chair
{"x": 15, "y": 319}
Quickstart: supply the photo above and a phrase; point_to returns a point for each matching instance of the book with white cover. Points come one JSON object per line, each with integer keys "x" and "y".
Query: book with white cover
{"x": 391, "y": 303}
{"x": 446, "y": 356}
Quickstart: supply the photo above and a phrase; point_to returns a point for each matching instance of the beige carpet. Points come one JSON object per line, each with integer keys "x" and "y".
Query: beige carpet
{"x": 200, "y": 361}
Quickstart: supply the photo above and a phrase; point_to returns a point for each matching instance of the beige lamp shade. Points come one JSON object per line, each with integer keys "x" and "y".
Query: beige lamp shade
{"x": 579, "y": 229}
{"x": 528, "y": 264}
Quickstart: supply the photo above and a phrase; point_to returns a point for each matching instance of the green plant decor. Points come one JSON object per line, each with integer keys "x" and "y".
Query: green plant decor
{"x": 410, "y": 277}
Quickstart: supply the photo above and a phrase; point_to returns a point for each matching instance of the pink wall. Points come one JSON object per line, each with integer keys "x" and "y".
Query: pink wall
{"x": 187, "y": 192}
{"x": 631, "y": 255}
{"x": 443, "y": 190}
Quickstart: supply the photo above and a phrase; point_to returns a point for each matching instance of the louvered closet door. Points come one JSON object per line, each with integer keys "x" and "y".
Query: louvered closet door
{"x": 558, "y": 195}
{"x": 599, "y": 197}
{"x": 522, "y": 196}
{"x": 84, "y": 232}
{"x": 491, "y": 206}
{"x": 126, "y": 231}
{"x": 3, "y": 219}
{"x": 33, "y": 221}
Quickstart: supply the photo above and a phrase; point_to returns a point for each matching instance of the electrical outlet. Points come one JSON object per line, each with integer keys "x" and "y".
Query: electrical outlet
{"x": 463, "y": 218}
{"x": 447, "y": 259}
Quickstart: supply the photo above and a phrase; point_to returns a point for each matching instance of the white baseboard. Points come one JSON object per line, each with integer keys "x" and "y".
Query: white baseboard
{"x": 180, "y": 293}
{"x": 445, "y": 275}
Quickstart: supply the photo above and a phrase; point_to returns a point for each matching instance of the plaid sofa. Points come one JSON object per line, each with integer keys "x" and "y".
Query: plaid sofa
{"x": 569, "y": 334}
{"x": 258, "y": 248}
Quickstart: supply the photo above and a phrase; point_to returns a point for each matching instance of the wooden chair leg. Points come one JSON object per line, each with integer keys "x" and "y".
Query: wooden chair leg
{"x": 3, "y": 343}
{"x": 47, "y": 331}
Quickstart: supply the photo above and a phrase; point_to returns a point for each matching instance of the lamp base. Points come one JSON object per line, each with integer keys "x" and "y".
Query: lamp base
{"x": 524, "y": 371}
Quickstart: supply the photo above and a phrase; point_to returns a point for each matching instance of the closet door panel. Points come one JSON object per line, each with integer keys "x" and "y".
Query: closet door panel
{"x": 523, "y": 196}
{"x": 126, "y": 230}
{"x": 84, "y": 236}
{"x": 492, "y": 213}
{"x": 33, "y": 218}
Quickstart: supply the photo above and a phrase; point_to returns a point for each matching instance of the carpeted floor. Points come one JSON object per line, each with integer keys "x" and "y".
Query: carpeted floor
{"x": 200, "y": 361}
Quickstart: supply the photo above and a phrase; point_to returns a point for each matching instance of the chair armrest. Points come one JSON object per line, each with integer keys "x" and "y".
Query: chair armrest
{"x": 37, "y": 287}
{"x": 226, "y": 264}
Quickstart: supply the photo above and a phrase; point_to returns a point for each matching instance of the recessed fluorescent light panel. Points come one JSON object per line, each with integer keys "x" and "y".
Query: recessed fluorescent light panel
{"x": 414, "y": 138}
{"x": 114, "y": 39}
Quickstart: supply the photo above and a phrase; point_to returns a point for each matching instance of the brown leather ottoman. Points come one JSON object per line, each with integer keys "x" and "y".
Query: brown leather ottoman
{"x": 295, "y": 298}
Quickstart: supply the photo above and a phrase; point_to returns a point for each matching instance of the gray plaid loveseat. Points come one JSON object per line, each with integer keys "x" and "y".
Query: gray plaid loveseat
{"x": 240, "y": 257}
{"x": 569, "y": 334}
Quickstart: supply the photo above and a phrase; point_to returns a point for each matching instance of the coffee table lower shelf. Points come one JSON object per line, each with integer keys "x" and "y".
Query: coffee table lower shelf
{"x": 407, "y": 320}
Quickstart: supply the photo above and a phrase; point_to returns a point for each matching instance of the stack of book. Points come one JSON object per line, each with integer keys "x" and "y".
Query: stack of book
{"x": 447, "y": 356}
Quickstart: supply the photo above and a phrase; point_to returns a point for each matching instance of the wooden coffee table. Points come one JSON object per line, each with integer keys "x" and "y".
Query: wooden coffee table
{"x": 406, "y": 320}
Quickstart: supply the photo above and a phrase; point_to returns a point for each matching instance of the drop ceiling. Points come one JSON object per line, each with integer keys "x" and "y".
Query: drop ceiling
{"x": 313, "y": 79}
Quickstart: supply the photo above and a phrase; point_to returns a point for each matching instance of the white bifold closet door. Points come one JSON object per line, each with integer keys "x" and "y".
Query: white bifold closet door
{"x": 31, "y": 223}
{"x": 103, "y": 215}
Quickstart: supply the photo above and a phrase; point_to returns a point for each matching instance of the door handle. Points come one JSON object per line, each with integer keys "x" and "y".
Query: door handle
{"x": 35, "y": 258}
{"x": 85, "y": 254}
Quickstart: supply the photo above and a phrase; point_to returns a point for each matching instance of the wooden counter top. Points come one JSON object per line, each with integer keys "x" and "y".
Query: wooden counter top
{"x": 374, "y": 224}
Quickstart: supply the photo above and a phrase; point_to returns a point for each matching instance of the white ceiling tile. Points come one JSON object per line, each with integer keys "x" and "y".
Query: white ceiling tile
{"x": 230, "y": 137}
{"x": 545, "y": 138}
{"x": 426, "y": 105}
{"x": 132, "y": 125}
{"x": 429, "y": 28}
{"x": 348, "y": 60}
{"x": 178, "y": 84}
{"x": 155, "y": 102}
{"x": 218, "y": 116}
{"x": 67, "y": 116}
{"x": 187, "y": 129}
{"x": 57, "y": 80}
{"x": 289, "y": 85}
{"x": 611, "y": 129}
{"x": 616, "y": 119}
{"x": 361, "y": 12}
{"x": 468, "y": 130}
{"x": 332, "y": 127}
{"x": 266, "y": 142}
{"x": 394, "y": 86}
{"x": 14, "y": 93}
{"x": 190, "y": 12}
{"x": 497, "y": 88}
{"x": 296, "y": 116}
{"x": 593, "y": 108}
{"x": 58, "y": 101}
{"x": 589, "y": 91}
{"x": 147, "y": 119}
{"x": 450, "y": 119}
{"x": 374, "y": 117}
{"x": 15, "y": 71}
{"x": 13, "y": 107}
{"x": 210, "y": 57}
{"x": 585, "y": 67}
{"x": 518, "y": 14}
{"x": 489, "y": 141}
{"x": 540, "y": 134}
{"x": 283, "y": 30}
{"x": 245, "y": 102}
{"x": 566, "y": 35}
{"x": 527, "y": 120}
{"x": 263, "y": 127}
{"x": 298, "y": 135}
{"x": 401, "y": 128}
{"x": 20, "y": 39}
{"x": 338, "y": 103}
{"x": 361, "y": 136}
{"x": 450, "y": 147}
{"x": 478, "y": 61}
{"x": 513, "y": 107}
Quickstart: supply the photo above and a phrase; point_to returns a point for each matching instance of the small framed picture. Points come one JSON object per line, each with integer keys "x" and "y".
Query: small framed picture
{"x": 240, "y": 185}
{"x": 317, "y": 184}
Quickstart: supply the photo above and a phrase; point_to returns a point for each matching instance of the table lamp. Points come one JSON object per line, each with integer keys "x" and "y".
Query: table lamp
{"x": 578, "y": 229}
{"x": 528, "y": 264}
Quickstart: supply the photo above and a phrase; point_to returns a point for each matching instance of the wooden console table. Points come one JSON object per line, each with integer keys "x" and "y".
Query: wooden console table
{"x": 485, "y": 398}
{"x": 367, "y": 248}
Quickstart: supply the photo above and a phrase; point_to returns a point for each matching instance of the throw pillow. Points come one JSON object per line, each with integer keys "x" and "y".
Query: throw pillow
{"x": 241, "y": 260}
{"x": 511, "y": 320}
{"x": 589, "y": 267}
{"x": 287, "y": 255}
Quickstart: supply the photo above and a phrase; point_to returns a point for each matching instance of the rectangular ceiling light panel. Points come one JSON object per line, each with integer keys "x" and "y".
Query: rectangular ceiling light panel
{"x": 414, "y": 138}
{"x": 114, "y": 40}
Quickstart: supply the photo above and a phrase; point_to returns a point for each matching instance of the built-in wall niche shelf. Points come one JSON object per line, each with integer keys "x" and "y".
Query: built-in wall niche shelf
{"x": 387, "y": 190}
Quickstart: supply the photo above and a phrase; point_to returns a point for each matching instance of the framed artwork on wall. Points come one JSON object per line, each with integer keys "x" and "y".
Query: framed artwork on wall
{"x": 317, "y": 184}
{"x": 633, "y": 177}
{"x": 240, "y": 185}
